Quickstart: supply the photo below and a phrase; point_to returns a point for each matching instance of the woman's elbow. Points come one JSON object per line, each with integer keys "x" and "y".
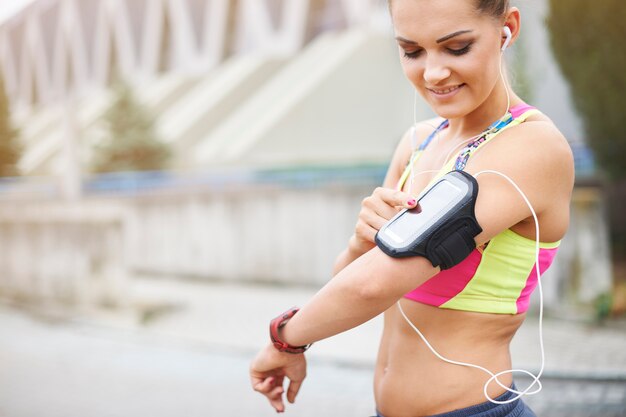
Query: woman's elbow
{"x": 392, "y": 277}
{"x": 395, "y": 279}
{"x": 377, "y": 278}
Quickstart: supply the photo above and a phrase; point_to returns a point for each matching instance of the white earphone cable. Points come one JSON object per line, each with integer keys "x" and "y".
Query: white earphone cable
{"x": 494, "y": 377}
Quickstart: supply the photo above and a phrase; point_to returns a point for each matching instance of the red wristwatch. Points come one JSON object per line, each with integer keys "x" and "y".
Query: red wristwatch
{"x": 276, "y": 325}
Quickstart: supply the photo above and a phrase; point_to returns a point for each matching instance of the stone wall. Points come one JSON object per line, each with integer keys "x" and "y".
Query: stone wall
{"x": 55, "y": 253}
{"x": 87, "y": 252}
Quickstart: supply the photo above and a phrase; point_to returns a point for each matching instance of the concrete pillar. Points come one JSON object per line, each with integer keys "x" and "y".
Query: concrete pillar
{"x": 71, "y": 183}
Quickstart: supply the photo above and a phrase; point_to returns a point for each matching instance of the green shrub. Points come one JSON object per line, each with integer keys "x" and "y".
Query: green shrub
{"x": 131, "y": 143}
{"x": 10, "y": 147}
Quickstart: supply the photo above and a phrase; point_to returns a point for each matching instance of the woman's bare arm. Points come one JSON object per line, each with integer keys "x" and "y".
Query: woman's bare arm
{"x": 373, "y": 282}
{"x": 534, "y": 155}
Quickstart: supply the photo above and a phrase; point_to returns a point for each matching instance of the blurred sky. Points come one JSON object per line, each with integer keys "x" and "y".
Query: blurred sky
{"x": 9, "y": 8}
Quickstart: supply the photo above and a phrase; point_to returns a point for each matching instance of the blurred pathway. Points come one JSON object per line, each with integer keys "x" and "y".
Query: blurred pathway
{"x": 187, "y": 354}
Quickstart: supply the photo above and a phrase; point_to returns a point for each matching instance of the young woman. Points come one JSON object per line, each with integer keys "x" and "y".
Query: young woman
{"x": 452, "y": 52}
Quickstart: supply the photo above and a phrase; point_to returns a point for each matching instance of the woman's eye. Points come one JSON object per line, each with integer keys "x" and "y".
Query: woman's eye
{"x": 412, "y": 54}
{"x": 461, "y": 51}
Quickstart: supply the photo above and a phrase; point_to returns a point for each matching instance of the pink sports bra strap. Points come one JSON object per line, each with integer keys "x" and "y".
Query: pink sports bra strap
{"x": 517, "y": 111}
{"x": 518, "y": 114}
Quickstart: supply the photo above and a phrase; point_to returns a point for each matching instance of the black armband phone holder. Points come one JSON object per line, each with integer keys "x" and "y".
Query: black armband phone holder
{"x": 443, "y": 231}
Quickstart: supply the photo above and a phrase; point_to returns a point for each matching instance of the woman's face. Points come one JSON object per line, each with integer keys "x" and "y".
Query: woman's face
{"x": 449, "y": 52}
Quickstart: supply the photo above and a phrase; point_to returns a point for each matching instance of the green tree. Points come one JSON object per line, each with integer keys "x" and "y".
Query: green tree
{"x": 521, "y": 77}
{"x": 10, "y": 147}
{"x": 588, "y": 42}
{"x": 131, "y": 144}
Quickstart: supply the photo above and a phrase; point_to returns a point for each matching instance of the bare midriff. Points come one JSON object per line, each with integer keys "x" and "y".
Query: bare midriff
{"x": 410, "y": 381}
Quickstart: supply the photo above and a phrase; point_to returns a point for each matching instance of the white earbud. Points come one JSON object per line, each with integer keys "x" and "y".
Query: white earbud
{"x": 507, "y": 32}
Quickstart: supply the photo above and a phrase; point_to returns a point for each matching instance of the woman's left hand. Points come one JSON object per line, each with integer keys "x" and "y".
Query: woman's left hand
{"x": 268, "y": 371}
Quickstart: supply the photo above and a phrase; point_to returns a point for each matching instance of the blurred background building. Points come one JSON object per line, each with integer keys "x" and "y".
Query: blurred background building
{"x": 278, "y": 117}
{"x": 175, "y": 172}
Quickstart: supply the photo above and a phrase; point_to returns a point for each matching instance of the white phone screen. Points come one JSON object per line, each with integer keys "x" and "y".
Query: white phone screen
{"x": 433, "y": 203}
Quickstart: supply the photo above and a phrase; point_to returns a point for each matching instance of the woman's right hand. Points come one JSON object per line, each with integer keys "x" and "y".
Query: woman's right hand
{"x": 376, "y": 210}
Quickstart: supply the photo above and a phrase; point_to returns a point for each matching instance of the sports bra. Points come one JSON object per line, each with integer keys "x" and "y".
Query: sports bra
{"x": 499, "y": 277}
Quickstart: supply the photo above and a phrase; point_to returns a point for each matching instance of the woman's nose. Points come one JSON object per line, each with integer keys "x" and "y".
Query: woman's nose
{"x": 435, "y": 71}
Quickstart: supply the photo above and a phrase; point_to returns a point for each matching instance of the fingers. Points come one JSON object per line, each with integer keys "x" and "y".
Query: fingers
{"x": 373, "y": 206}
{"x": 378, "y": 209}
{"x": 367, "y": 227}
{"x": 276, "y": 399}
{"x": 269, "y": 370}
{"x": 395, "y": 198}
{"x": 264, "y": 386}
{"x": 272, "y": 388}
{"x": 294, "y": 388}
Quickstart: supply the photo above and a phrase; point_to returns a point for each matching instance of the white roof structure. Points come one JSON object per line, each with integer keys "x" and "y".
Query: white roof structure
{"x": 55, "y": 47}
{"x": 232, "y": 82}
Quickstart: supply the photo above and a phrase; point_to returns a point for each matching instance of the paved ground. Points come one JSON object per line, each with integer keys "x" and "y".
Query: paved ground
{"x": 187, "y": 354}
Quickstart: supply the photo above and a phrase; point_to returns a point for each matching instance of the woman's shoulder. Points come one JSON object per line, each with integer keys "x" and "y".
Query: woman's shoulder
{"x": 536, "y": 156}
{"x": 536, "y": 143}
{"x": 539, "y": 134}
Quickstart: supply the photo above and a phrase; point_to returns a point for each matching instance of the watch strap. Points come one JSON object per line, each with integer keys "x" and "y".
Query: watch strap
{"x": 275, "y": 326}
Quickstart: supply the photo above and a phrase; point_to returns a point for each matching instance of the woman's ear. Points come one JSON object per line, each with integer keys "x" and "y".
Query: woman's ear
{"x": 513, "y": 23}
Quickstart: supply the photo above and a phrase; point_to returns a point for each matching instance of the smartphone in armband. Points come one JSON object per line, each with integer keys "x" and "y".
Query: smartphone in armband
{"x": 443, "y": 231}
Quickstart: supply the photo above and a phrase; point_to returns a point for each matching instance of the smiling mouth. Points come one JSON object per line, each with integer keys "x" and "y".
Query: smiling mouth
{"x": 443, "y": 91}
